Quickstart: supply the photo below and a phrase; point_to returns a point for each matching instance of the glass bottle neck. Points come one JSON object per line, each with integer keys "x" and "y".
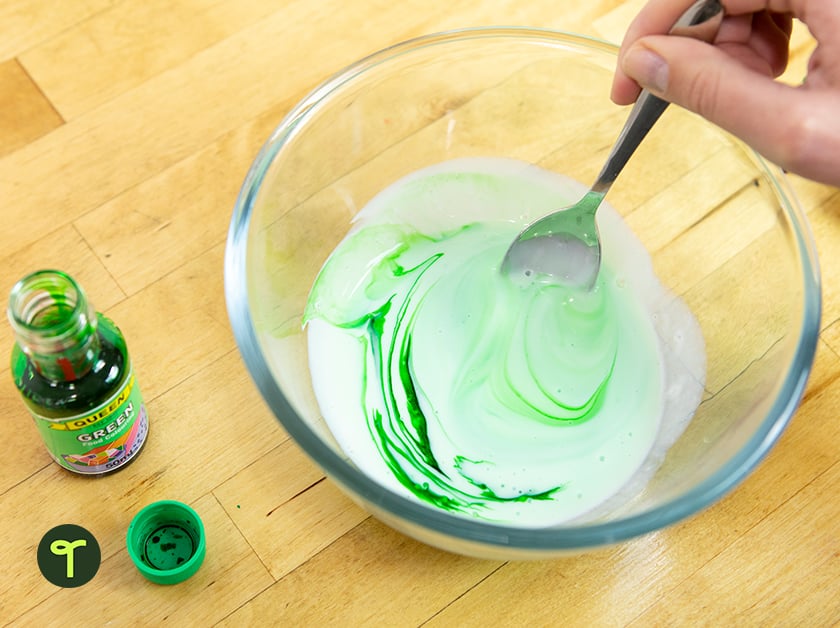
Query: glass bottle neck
{"x": 54, "y": 325}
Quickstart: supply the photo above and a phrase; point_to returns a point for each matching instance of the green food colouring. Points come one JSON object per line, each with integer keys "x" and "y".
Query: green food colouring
{"x": 74, "y": 374}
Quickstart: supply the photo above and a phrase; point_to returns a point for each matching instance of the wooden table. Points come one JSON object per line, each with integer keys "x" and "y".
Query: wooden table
{"x": 126, "y": 128}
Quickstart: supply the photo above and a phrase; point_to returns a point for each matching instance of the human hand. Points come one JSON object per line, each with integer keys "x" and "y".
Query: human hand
{"x": 731, "y": 82}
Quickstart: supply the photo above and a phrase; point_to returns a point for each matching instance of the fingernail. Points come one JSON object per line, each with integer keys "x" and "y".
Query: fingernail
{"x": 647, "y": 68}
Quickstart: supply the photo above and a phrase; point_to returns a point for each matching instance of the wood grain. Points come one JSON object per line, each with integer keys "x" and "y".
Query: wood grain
{"x": 25, "y": 114}
{"x": 126, "y": 128}
{"x": 26, "y": 23}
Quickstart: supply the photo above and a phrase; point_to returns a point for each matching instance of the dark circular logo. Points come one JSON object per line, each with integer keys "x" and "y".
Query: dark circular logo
{"x": 69, "y": 556}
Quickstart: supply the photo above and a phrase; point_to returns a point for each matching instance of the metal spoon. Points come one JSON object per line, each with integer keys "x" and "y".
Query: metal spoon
{"x": 564, "y": 247}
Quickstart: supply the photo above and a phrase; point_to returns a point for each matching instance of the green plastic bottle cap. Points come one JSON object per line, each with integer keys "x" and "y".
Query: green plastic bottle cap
{"x": 166, "y": 542}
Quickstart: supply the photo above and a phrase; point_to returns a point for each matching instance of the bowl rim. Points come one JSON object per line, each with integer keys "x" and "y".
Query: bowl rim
{"x": 541, "y": 540}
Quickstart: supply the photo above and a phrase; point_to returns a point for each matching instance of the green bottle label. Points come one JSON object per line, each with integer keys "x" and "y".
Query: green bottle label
{"x": 101, "y": 439}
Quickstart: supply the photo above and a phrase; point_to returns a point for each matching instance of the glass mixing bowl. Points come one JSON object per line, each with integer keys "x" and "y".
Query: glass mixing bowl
{"x": 721, "y": 225}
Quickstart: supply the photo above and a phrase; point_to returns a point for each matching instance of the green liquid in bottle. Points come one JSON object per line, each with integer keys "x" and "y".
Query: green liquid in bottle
{"x": 72, "y": 368}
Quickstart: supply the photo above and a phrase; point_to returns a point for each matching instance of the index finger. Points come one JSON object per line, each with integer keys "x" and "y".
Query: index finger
{"x": 658, "y": 16}
{"x": 821, "y": 16}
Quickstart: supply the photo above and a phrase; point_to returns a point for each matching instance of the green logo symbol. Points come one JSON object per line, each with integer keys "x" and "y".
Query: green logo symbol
{"x": 68, "y": 556}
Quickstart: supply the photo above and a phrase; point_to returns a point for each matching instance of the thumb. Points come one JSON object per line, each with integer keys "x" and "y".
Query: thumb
{"x": 710, "y": 82}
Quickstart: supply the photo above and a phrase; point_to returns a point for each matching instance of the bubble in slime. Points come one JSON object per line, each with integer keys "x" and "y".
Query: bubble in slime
{"x": 514, "y": 401}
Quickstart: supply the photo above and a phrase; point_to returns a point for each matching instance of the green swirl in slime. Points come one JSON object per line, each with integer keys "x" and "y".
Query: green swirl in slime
{"x": 514, "y": 401}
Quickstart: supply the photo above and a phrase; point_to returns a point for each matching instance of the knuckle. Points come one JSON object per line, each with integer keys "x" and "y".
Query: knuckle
{"x": 803, "y": 135}
{"x": 702, "y": 93}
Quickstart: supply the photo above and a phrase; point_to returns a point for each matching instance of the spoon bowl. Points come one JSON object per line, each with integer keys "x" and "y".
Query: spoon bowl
{"x": 563, "y": 247}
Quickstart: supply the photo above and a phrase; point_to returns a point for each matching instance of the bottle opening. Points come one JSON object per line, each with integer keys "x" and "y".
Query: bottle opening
{"x": 45, "y": 300}
{"x": 54, "y": 324}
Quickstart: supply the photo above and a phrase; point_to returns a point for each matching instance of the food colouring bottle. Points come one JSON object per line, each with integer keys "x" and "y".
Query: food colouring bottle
{"x": 73, "y": 371}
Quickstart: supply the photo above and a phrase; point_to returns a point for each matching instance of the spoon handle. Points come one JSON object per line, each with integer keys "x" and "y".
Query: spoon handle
{"x": 701, "y": 21}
